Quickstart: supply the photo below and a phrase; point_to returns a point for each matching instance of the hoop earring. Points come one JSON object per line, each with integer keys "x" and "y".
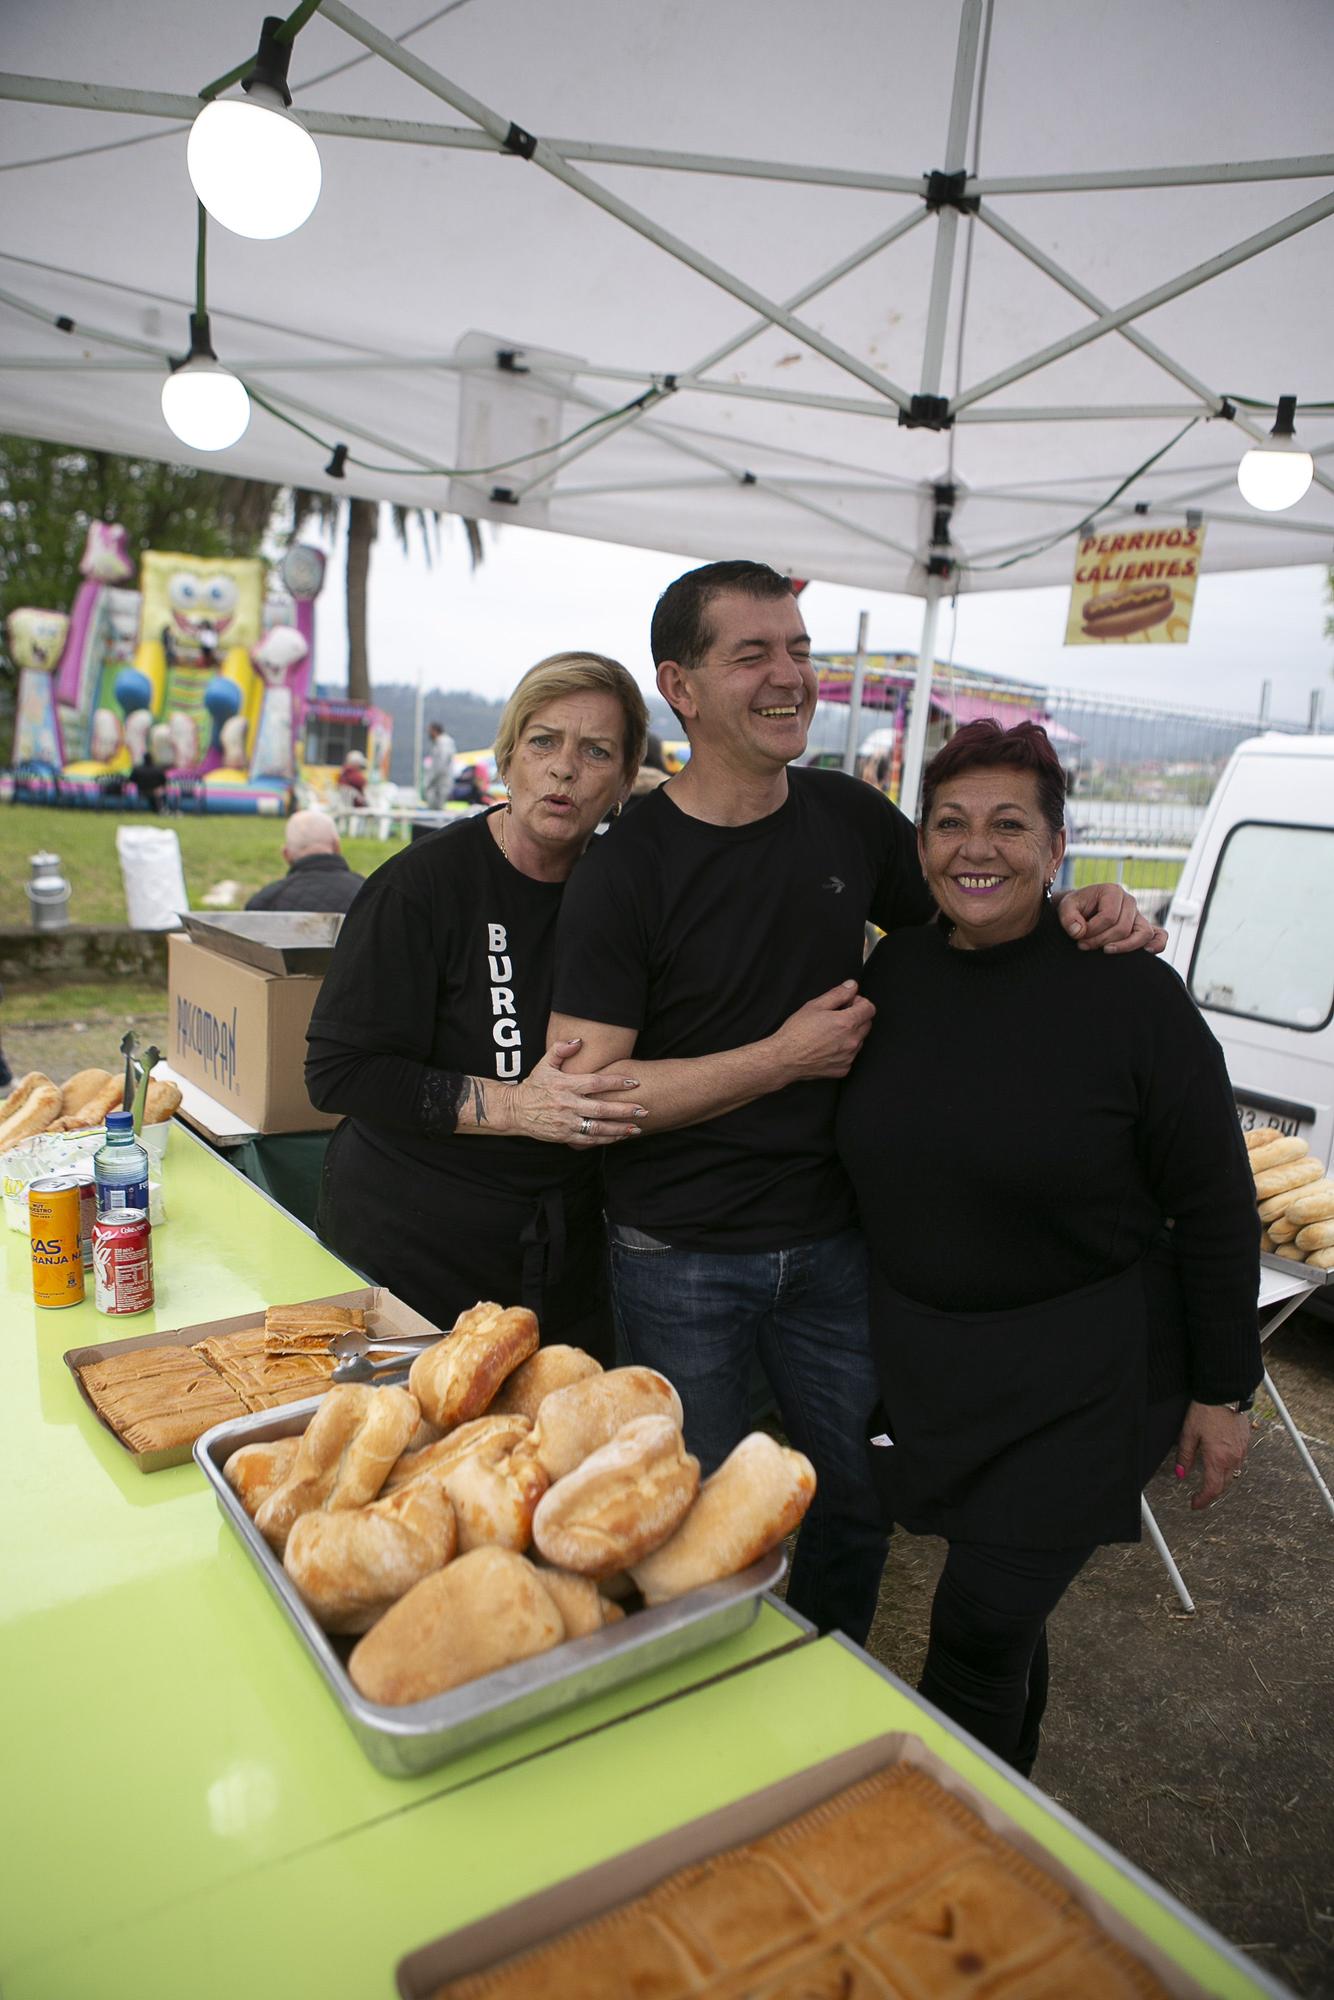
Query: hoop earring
{"x": 614, "y": 812}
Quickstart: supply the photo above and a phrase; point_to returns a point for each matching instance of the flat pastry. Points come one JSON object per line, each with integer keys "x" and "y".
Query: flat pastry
{"x": 155, "y": 1398}
{"x": 308, "y": 1329}
{"x": 893, "y": 1888}
{"x": 262, "y": 1380}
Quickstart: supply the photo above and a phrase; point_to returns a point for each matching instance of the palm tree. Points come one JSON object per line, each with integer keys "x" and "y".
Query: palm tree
{"x": 363, "y": 525}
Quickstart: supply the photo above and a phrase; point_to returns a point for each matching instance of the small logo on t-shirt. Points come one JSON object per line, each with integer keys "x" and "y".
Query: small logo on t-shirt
{"x": 835, "y": 883}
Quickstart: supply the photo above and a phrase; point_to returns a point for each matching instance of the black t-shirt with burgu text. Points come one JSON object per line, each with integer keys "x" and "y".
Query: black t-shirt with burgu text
{"x": 704, "y": 938}
{"x": 442, "y": 972}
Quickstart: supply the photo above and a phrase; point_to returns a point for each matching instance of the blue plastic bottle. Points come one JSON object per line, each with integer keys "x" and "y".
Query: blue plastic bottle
{"x": 120, "y": 1168}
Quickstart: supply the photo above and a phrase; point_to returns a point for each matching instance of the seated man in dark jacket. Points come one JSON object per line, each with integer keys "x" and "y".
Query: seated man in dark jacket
{"x": 317, "y": 876}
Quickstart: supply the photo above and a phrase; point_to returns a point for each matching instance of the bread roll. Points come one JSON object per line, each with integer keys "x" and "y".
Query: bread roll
{"x": 350, "y": 1567}
{"x": 1321, "y": 1260}
{"x": 81, "y": 1088}
{"x": 1310, "y": 1204}
{"x": 756, "y": 1496}
{"x": 549, "y": 1369}
{"x": 580, "y": 1603}
{"x": 495, "y": 1491}
{"x": 39, "y": 1107}
{"x": 22, "y": 1091}
{"x": 1267, "y": 1243}
{"x": 487, "y": 1610}
{"x": 436, "y": 1458}
{"x": 1282, "y": 1230}
{"x": 1278, "y": 1153}
{"x": 345, "y": 1456}
{"x": 162, "y": 1102}
{"x": 257, "y": 1470}
{"x": 457, "y": 1378}
{"x": 1295, "y": 1174}
{"x": 1263, "y": 1135}
{"x": 575, "y": 1421}
{"x": 1315, "y": 1236}
{"x": 94, "y": 1108}
{"x": 1296, "y": 1256}
{"x": 621, "y": 1501}
{"x": 1279, "y": 1204}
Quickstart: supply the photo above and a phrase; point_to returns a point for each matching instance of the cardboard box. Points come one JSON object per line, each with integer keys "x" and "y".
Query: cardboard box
{"x": 240, "y": 1034}
{"x": 386, "y": 1317}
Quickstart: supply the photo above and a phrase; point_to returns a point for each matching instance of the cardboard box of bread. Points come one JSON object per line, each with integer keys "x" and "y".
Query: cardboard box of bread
{"x": 1295, "y": 1197}
{"x": 549, "y": 1497}
{"x": 156, "y": 1393}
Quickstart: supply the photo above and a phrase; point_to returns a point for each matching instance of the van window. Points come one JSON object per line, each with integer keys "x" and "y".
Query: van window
{"x": 1266, "y": 944}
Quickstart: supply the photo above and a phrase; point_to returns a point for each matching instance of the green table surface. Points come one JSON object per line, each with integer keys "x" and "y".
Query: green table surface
{"x": 184, "y": 1808}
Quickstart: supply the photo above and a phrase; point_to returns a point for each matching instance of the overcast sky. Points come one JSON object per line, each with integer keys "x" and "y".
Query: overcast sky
{"x": 538, "y": 593}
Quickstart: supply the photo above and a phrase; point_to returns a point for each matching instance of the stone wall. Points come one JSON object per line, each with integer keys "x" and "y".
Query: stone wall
{"x": 81, "y": 954}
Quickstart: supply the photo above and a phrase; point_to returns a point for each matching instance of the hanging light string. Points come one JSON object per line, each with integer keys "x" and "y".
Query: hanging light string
{"x": 288, "y": 32}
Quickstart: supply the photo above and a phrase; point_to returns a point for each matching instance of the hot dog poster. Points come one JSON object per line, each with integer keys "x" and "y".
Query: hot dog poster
{"x": 1135, "y": 585}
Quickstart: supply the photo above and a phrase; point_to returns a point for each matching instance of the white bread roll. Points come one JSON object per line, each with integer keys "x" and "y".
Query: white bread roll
{"x": 621, "y": 1501}
{"x": 1282, "y": 1230}
{"x": 758, "y": 1494}
{"x": 1310, "y": 1204}
{"x": 1278, "y": 1153}
{"x": 350, "y": 1567}
{"x": 1315, "y": 1236}
{"x": 1321, "y": 1260}
{"x": 456, "y": 1379}
{"x": 349, "y": 1448}
{"x": 579, "y": 1601}
{"x": 1263, "y": 1135}
{"x": 485, "y": 1611}
{"x": 440, "y": 1455}
{"x": 257, "y": 1470}
{"x": 495, "y": 1491}
{"x": 575, "y": 1421}
{"x": 1294, "y": 1174}
{"x": 551, "y": 1368}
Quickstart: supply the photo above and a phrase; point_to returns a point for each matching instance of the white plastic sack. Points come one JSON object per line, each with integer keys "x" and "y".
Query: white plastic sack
{"x": 150, "y": 866}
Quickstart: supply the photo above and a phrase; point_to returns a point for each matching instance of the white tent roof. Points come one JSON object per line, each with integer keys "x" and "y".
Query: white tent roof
{"x": 726, "y": 209}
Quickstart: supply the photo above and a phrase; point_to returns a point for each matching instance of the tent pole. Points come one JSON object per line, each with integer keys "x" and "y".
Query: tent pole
{"x": 914, "y": 754}
{"x": 855, "y": 695}
{"x": 947, "y": 220}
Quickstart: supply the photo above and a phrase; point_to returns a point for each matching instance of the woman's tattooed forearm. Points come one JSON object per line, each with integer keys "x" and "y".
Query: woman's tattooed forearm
{"x": 478, "y": 1100}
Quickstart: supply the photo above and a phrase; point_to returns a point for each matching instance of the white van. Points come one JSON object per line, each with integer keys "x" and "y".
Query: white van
{"x": 1251, "y": 931}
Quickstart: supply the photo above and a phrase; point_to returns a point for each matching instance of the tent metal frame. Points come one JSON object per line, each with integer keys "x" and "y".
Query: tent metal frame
{"x": 952, "y": 195}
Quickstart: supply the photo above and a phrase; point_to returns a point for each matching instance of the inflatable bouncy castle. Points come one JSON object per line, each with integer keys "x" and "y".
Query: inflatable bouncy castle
{"x": 203, "y": 672}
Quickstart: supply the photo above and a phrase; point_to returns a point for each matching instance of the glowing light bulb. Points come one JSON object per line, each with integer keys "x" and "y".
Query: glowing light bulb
{"x": 205, "y": 406}
{"x": 1276, "y": 474}
{"x": 256, "y": 170}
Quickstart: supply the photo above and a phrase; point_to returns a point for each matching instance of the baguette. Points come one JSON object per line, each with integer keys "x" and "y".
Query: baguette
{"x": 1294, "y": 1255}
{"x": 756, "y": 1496}
{"x": 623, "y": 1500}
{"x": 551, "y": 1368}
{"x": 350, "y": 1567}
{"x": 1279, "y": 1204}
{"x": 1321, "y": 1260}
{"x": 1282, "y": 1230}
{"x": 1311, "y": 1204}
{"x": 485, "y": 1611}
{"x": 1277, "y": 1180}
{"x": 81, "y": 1088}
{"x": 1263, "y": 1135}
{"x": 580, "y": 1419}
{"x": 457, "y": 1378}
{"x": 95, "y": 1107}
{"x": 36, "y": 1111}
{"x": 1278, "y": 1153}
{"x": 1315, "y": 1236}
{"x": 21, "y": 1092}
{"x": 346, "y": 1454}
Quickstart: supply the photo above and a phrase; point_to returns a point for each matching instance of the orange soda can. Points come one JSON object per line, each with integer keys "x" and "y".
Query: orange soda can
{"x": 57, "y": 1253}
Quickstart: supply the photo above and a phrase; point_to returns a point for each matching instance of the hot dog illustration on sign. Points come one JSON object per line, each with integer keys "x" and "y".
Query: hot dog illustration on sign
{"x": 505, "y": 1032}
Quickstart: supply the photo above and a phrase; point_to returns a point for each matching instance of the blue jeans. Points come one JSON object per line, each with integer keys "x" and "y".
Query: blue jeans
{"x": 700, "y": 1316}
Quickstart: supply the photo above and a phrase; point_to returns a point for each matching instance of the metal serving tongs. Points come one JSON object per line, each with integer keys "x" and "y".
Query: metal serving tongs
{"x": 352, "y": 1351}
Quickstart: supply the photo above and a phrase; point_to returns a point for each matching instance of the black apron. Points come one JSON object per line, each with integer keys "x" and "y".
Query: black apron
{"x": 1021, "y": 1428}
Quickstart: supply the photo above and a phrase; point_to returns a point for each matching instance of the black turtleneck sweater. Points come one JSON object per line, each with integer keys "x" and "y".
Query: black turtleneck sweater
{"x": 1026, "y": 1120}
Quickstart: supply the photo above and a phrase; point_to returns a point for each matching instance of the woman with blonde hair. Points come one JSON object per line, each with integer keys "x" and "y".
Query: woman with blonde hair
{"x": 466, "y": 1166}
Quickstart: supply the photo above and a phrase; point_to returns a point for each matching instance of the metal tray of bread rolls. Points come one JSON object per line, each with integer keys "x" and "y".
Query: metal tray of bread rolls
{"x": 403, "y": 1742}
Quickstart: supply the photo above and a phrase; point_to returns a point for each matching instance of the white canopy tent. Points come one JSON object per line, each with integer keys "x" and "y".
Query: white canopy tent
{"x": 894, "y": 295}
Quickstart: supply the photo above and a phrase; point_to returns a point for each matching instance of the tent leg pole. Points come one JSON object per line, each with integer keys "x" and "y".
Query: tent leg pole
{"x": 914, "y": 754}
{"x": 855, "y": 695}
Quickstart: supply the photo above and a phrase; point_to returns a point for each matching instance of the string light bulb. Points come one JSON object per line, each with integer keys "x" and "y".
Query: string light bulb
{"x": 204, "y": 405}
{"x": 254, "y": 167}
{"x": 1276, "y": 474}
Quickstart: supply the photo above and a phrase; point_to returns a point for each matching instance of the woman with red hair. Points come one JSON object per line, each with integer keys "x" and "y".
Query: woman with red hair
{"x": 1061, "y": 1225}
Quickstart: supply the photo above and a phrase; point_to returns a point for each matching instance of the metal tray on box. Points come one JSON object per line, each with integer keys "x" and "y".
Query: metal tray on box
{"x": 403, "y": 1742}
{"x": 271, "y": 940}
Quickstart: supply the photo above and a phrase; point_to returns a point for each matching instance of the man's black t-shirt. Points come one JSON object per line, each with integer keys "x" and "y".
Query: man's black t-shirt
{"x": 442, "y": 971}
{"x": 703, "y": 938}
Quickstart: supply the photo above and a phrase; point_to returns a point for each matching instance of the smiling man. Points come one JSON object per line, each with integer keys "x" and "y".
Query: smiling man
{"x": 717, "y": 937}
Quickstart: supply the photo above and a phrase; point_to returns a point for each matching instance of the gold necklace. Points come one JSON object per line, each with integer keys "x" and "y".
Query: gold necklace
{"x": 500, "y": 829}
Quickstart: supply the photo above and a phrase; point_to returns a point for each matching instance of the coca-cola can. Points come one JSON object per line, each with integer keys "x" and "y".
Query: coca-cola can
{"x": 123, "y": 1262}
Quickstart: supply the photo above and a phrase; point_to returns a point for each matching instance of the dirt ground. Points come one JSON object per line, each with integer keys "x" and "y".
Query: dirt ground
{"x": 1201, "y": 1748}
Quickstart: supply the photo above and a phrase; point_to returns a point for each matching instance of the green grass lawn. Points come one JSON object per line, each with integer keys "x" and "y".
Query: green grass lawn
{"x": 244, "y": 850}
